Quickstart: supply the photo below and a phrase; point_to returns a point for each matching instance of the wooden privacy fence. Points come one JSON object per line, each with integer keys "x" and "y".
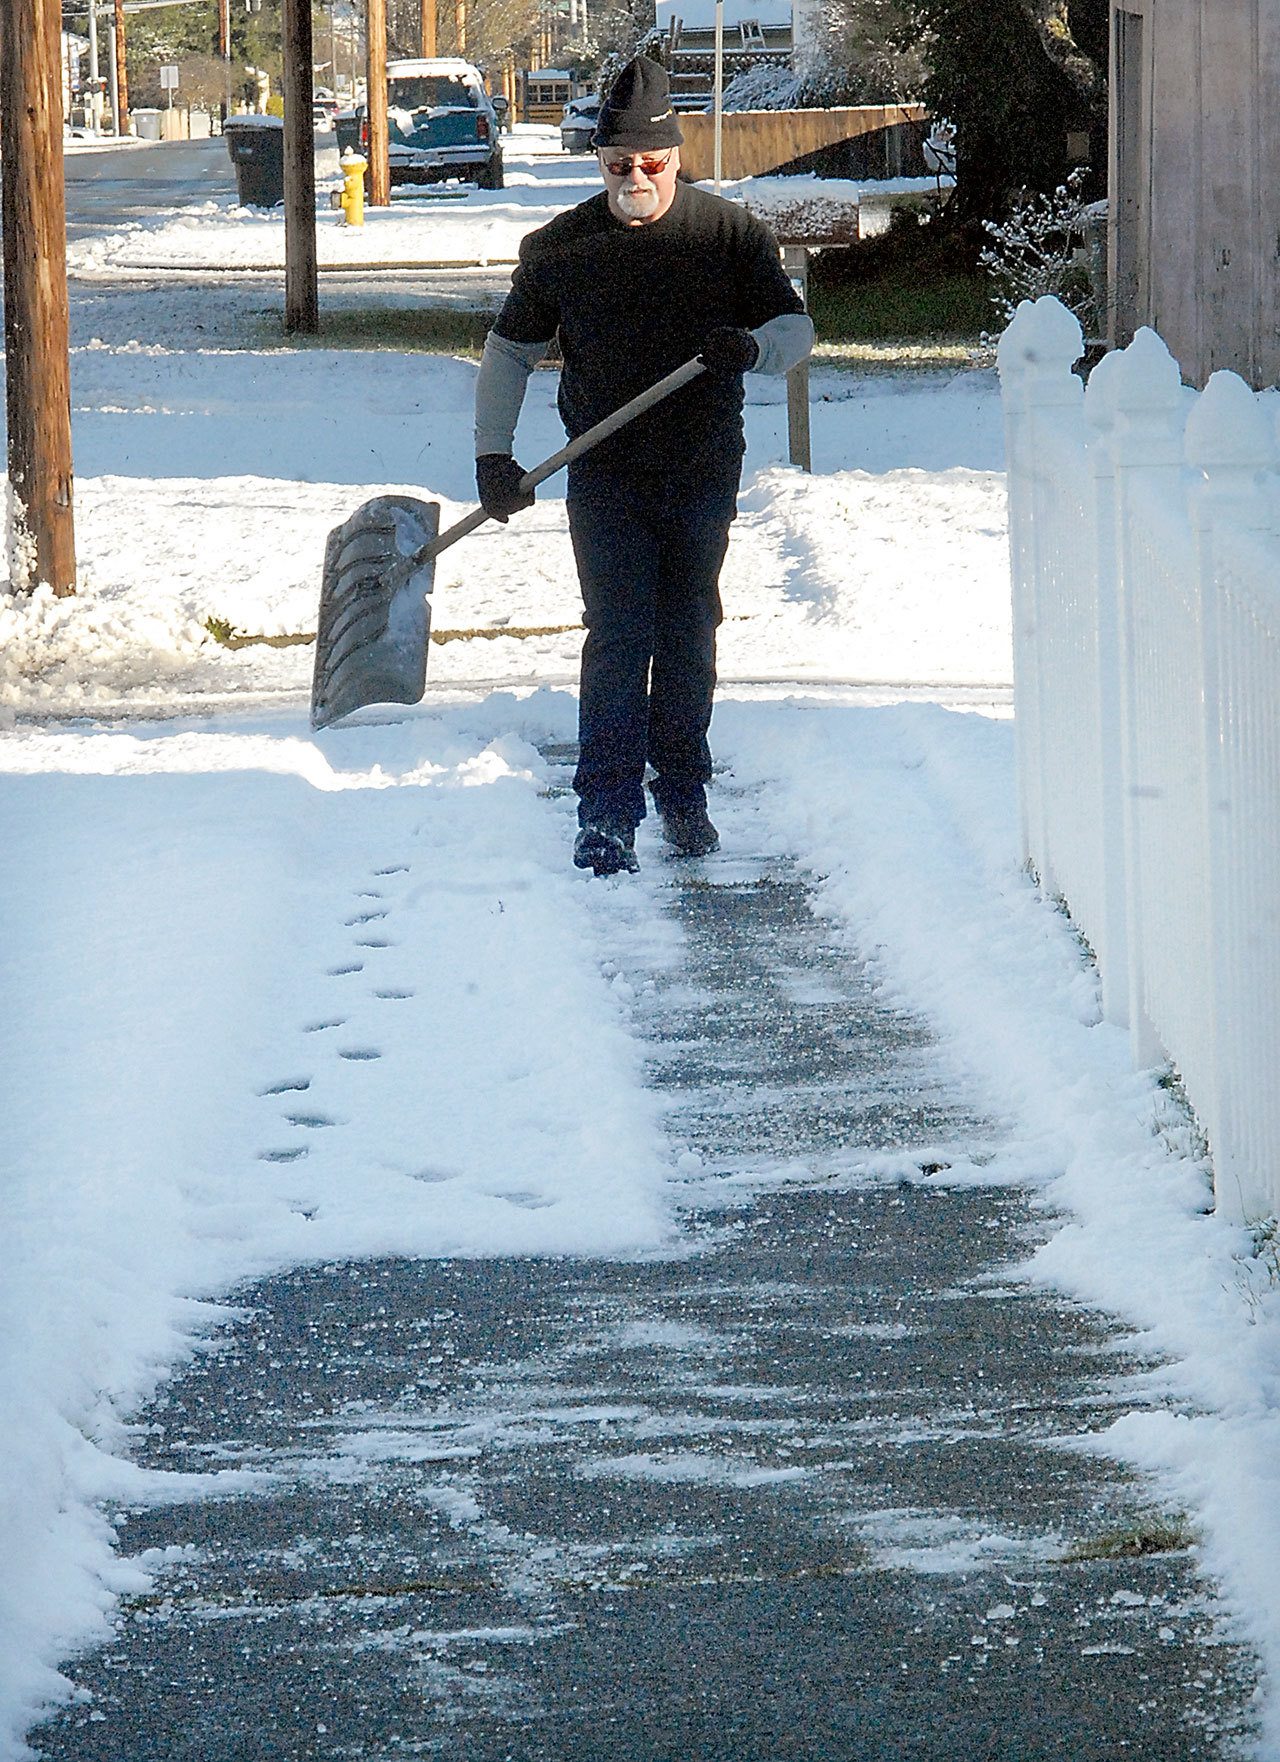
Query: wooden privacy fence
{"x": 1145, "y": 535}
{"x": 757, "y": 141}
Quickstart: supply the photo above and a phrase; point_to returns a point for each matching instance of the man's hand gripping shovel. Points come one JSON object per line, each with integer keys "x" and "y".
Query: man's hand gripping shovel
{"x": 379, "y": 567}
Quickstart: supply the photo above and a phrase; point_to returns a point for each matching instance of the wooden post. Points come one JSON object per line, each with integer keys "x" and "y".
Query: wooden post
{"x": 224, "y": 49}
{"x": 376, "y": 103}
{"x": 795, "y": 261}
{"x": 38, "y": 381}
{"x": 123, "y": 124}
{"x": 301, "y": 297}
{"x": 428, "y": 28}
{"x": 460, "y": 24}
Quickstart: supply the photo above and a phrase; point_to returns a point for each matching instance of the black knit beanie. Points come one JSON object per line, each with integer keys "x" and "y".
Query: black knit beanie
{"x": 637, "y": 113}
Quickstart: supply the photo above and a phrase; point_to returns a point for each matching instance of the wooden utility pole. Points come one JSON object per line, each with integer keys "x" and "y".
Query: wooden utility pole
{"x": 38, "y": 381}
{"x": 301, "y": 296}
{"x": 376, "y": 103}
{"x": 460, "y": 24}
{"x": 428, "y": 28}
{"x": 123, "y": 125}
{"x": 224, "y": 49}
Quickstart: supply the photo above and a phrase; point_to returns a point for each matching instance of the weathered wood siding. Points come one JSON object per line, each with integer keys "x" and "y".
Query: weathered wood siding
{"x": 1196, "y": 181}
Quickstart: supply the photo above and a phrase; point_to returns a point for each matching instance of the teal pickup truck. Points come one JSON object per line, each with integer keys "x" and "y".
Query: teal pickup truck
{"x": 441, "y": 124}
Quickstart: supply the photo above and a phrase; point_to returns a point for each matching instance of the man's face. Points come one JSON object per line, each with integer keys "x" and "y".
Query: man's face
{"x": 641, "y": 185}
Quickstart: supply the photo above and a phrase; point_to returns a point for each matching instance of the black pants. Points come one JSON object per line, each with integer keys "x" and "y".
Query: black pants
{"x": 649, "y": 548}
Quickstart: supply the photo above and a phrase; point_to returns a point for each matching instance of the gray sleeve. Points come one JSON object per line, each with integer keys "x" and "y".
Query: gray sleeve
{"x": 504, "y": 372}
{"x": 783, "y": 342}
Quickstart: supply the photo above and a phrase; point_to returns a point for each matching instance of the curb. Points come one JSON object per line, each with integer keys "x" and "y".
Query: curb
{"x": 171, "y": 268}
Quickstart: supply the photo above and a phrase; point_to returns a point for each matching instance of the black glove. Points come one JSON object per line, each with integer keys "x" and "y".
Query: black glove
{"x": 498, "y": 481}
{"x": 729, "y": 350}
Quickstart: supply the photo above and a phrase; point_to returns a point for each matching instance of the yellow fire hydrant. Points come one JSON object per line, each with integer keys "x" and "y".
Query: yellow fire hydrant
{"x": 351, "y": 199}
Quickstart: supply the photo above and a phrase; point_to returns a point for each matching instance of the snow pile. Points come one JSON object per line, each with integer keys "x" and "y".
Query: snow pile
{"x": 282, "y": 1000}
{"x": 825, "y": 199}
{"x": 64, "y": 653}
{"x": 864, "y": 596}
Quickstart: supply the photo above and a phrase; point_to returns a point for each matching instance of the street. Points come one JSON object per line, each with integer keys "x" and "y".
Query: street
{"x": 112, "y": 186}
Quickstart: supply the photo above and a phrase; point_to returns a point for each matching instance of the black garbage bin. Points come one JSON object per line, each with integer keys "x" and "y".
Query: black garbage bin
{"x": 256, "y": 146}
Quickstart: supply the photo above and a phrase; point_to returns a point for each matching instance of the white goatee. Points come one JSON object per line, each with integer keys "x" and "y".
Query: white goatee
{"x": 637, "y": 204}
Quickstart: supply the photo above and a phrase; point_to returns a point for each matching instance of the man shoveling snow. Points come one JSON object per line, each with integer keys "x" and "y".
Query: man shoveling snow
{"x": 635, "y": 281}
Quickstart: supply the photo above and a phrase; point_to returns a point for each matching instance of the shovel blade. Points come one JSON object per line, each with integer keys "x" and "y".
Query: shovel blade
{"x": 371, "y": 636}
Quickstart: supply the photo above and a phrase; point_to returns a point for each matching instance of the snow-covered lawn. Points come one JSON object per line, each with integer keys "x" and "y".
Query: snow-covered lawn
{"x": 436, "y": 224}
{"x": 228, "y": 940}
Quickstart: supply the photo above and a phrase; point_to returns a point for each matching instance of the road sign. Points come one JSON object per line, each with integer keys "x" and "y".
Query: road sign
{"x": 168, "y": 79}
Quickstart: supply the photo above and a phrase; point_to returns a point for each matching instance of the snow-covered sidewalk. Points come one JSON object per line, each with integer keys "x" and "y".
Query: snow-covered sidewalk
{"x": 200, "y": 896}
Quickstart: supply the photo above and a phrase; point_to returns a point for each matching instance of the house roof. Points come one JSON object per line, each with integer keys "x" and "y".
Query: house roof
{"x": 700, "y": 15}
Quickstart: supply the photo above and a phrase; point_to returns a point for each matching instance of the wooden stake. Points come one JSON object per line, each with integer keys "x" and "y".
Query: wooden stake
{"x": 428, "y": 28}
{"x": 38, "y": 380}
{"x": 301, "y": 296}
{"x": 795, "y": 262}
{"x": 123, "y": 125}
{"x": 376, "y": 103}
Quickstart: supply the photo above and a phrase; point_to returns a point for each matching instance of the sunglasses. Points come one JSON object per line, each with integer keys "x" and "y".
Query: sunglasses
{"x": 650, "y": 164}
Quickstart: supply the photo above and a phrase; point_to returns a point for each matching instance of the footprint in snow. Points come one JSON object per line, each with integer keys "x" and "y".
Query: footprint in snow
{"x": 369, "y": 917}
{"x": 392, "y": 993}
{"x": 319, "y": 1027}
{"x": 311, "y": 1121}
{"x": 393, "y": 869}
{"x": 340, "y": 972}
{"x": 287, "y": 1086}
{"x": 283, "y": 1155}
{"x": 359, "y": 1052}
{"x": 374, "y": 942}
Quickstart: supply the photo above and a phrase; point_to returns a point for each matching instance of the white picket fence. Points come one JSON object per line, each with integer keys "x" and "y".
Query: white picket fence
{"x": 1145, "y": 532}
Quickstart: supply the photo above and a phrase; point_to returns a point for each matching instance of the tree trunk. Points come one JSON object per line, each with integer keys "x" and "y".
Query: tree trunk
{"x": 38, "y": 381}
{"x": 1049, "y": 19}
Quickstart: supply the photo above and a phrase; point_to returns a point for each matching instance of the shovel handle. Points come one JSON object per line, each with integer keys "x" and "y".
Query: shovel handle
{"x": 576, "y": 448}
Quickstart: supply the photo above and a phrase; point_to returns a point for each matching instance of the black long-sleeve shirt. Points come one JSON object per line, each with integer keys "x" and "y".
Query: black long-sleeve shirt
{"x": 631, "y": 303}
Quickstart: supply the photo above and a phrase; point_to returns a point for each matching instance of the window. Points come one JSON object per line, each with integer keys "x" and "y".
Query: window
{"x": 431, "y": 91}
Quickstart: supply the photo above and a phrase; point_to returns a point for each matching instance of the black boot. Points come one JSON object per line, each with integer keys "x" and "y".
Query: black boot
{"x": 685, "y": 821}
{"x": 608, "y": 850}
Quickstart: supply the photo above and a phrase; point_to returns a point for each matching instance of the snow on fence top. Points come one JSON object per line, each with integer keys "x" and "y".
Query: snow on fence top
{"x": 1145, "y": 535}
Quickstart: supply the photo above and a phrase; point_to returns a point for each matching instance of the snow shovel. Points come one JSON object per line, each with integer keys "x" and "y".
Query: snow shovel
{"x": 379, "y": 566}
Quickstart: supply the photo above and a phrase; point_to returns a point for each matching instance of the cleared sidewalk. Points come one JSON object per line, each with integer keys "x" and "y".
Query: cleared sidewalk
{"x": 811, "y": 1488}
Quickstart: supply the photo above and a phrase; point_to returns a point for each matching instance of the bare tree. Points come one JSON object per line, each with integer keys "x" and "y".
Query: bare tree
{"x": 1069, "y": 32}
{"x": 862, "y": 51}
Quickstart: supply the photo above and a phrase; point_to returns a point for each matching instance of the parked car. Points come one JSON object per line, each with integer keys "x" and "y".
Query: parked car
{"x": 578, "y": 124}
{"x": 441, "y": 124}
{"x": 324, "y": 112}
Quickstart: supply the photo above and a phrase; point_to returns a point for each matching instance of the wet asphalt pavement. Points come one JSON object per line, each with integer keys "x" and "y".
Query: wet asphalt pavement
{"x": 807, "y": 1489}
